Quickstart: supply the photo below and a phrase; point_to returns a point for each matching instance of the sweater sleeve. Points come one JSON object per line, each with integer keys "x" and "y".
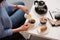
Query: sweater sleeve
{"x": 7, "y": 32}
{"x": 5, "y": 26}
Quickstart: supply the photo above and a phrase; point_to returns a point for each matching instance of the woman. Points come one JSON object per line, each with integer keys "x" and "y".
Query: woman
{"x": 6, "y": 21}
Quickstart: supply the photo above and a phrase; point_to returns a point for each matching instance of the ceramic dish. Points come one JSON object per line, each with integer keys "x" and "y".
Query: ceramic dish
{"x": 42, "y": 31}
{"x": 27, "y": 16}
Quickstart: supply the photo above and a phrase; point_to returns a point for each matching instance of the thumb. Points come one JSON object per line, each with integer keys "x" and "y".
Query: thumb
{"x": 27, "y": 11}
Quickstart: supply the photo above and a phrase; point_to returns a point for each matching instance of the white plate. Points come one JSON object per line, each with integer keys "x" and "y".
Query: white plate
{"x": 42, "y": 33}
{"x": 33, "y": 26}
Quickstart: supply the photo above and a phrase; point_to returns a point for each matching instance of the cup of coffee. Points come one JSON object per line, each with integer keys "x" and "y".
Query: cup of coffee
{"x": 43, "y": 20}
{"x": 32, "y": 22}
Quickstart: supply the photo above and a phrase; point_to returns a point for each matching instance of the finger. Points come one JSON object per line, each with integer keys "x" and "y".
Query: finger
{"x": 28, "y": 25}
{"x": 27, "y": 11}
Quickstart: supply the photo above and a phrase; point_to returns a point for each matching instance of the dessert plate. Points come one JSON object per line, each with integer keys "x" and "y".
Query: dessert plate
{"x": 42, "y": 33}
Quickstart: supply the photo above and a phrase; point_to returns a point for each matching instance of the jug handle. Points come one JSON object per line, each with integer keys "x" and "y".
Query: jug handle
{"x": 35, "y": 2}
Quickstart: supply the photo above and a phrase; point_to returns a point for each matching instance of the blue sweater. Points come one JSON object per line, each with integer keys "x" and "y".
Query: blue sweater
{"x": 5, "y": 22}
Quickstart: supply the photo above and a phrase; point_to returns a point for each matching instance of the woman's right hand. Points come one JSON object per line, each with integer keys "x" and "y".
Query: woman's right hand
{"x": 24, "y": 27}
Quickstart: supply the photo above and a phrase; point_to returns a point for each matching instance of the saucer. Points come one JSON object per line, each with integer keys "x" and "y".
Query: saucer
{"x": 32, "y": 26}
{"x": 42, "y": 33}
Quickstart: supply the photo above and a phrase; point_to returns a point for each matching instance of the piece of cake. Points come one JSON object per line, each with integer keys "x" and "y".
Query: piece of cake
{"x": 43, "y": 28}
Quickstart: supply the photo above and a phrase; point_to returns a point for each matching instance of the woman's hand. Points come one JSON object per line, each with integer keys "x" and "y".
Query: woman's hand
{"x": 22, "y": 28}
{"x": 25, "y": 27}
{"x": 24, "y": 8}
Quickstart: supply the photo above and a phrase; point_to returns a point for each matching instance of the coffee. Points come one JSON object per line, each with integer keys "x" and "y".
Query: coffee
{"x": 32, "y": 21}
{"x": 43, "y": 20}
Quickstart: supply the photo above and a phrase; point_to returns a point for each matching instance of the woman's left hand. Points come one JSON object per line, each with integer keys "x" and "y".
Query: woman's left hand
{"x": 24, "y": 8}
